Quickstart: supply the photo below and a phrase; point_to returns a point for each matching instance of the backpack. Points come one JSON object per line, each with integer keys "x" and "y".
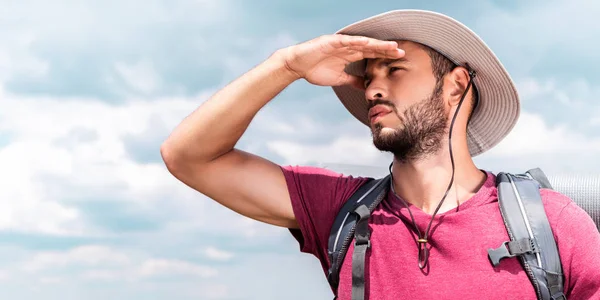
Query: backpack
{"x": 531, "y": 238}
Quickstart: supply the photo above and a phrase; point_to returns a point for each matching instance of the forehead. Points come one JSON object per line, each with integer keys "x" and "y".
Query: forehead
{"x": 415, "y": 54}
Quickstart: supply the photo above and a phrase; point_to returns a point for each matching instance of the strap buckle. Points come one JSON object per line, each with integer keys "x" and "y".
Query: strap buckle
{"x": 495, "y": 255}
{"x": 360, "y": 242}
{"x": 362, "y": 234}
{"x": 511, "y": 249}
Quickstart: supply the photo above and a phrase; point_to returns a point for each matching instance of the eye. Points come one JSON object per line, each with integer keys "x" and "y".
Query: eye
{"x": 394, "y": 69}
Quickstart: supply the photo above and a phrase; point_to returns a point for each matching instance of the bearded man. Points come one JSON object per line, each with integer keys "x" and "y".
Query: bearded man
{"x": 434, "y": 95}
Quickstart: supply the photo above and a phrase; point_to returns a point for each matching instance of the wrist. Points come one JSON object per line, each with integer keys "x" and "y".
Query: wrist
{"x": 280, "y": 61}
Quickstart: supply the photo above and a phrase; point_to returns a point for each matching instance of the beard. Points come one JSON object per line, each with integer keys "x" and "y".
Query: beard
{"x": 422, "y": 129}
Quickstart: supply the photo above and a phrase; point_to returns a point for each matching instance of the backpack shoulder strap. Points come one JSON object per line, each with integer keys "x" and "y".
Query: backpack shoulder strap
{"x": 531, "y": 237}
{"x": 538, "y": 175}
{"x": 354, "y": 214}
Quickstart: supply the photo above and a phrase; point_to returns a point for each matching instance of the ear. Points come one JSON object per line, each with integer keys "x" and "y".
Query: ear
{"x": 457, "y": 81}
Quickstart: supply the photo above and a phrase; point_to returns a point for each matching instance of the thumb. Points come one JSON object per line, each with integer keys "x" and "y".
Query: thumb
{"x": 356, "y": 82}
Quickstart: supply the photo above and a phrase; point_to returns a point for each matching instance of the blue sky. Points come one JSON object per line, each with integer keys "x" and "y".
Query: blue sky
{"x": 89, "y": 90}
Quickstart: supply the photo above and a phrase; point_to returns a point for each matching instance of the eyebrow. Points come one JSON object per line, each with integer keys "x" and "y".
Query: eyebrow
{"x": 393, "y": 61}
{"x": 386, "y": 63}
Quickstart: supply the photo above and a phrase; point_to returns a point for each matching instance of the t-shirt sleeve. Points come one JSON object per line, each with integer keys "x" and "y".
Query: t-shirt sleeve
{"x": 317, "y": 195}
{"x": 578, "y": 242}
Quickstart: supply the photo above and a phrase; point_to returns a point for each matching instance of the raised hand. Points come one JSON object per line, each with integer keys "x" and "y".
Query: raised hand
{"x": 321, "y": 61}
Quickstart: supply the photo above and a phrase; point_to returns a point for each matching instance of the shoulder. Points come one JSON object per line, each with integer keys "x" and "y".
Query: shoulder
{"x": 307, "y": 169}
{"x": 317, "y": 194}
{"x": 320, "y": 189}
{"x": 561, "y": 208}
{"x": 555, "y": 202}
{"x": 570, "y": 223}
{"x": 563, "y": 212}
{"x": 578, "y": 241}
{"x": 296, "y": 169}
{"x": 311, "y": 177}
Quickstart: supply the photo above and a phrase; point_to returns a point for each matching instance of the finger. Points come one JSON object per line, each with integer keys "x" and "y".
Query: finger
{"x": 352, "y": 41}
{"x": 377, "y": 47}
{"x": 369, "y": 54}
{"x": 344, "y": 41}
{"x": 392, "y": 54}
{"x": 381, "y": 45}
{"x": 384, "y": 50}
{"x": 395, "y": 53}
{"x": 355, "y": 53}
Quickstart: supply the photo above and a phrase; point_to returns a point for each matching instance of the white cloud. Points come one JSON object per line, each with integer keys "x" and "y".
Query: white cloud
{"x": 275, "y": 280}
{"x": 572, "y": 104}
{"x": 103, "y": 275}
{"x": 88, "y": 256}
{"x": 107, "y": 21}
{"x": 533, "y": 135}
{"x": 347, "y": 148}
{"x": 351, "y": 152}
{"x": 170, "y": 267}
{"x": 35, "y": 154}
{"x": 4, "y": 275}
{"x": 107, "y": 47}
{"x": 95, "y": 262}
{"x": 62, "y": 152}
{"x": 216, "y": 291}
{"x": 238, "y": 65}
{"x": 16, "y": 58}
{"x": 141, "y": 76}
{"x": 531, "y": 88}
{"x": 51, "y": 280}
{"x": 572, "y": 97}
{"x": 217, "y": 254}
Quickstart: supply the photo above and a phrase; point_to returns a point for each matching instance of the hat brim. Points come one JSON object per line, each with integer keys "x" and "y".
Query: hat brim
{"x": 498, "y": 109}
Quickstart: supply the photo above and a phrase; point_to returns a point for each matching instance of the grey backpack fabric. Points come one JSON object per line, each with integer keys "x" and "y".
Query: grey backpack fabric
{"x": 524, "y": 216}
{"x": 531, "y": 238}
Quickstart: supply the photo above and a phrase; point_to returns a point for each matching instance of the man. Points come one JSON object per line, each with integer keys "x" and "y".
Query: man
{"x": 434, "y": 95}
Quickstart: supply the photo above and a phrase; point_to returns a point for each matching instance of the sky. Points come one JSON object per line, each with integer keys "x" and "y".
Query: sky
{"x": 90, "y": 89}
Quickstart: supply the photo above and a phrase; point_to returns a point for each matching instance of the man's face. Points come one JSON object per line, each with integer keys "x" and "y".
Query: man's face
{"x": 407, "y": 113}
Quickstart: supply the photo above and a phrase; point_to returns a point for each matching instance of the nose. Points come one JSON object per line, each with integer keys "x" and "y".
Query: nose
{"x": 376, "y": 91}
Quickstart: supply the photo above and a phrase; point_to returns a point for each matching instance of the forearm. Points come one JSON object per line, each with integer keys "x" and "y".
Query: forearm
{"x": 214, "y": 128}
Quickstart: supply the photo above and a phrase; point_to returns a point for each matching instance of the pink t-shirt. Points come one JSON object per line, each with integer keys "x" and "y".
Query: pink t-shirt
{"x": 459, "y": 267}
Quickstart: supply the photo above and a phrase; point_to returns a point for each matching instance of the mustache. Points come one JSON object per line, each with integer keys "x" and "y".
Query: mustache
{"x": 387, "y": 103}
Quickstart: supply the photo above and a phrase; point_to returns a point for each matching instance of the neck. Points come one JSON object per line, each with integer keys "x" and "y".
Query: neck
{"x": 424, "y": 182}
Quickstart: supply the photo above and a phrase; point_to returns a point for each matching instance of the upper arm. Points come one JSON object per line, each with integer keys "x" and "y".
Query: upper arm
{"x": 579, "y": 247}
{"x": 245, "y": 183}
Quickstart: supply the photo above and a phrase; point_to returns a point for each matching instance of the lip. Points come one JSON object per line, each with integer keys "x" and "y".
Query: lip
{"x": 377, "y": 112}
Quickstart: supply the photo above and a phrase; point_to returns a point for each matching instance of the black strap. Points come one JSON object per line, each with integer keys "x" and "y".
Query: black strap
{"x": 526, "y": 222}
{"x": 361, "y": 245}
{"x": 340, "y": 236}
{"x": 342, "y": 231}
